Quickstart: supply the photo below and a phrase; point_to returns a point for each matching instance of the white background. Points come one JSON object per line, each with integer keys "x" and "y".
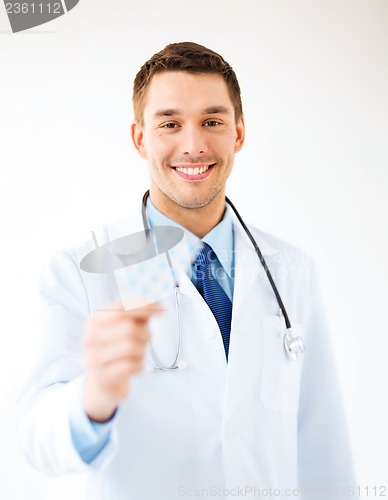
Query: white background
{"x": 313, "y": 170}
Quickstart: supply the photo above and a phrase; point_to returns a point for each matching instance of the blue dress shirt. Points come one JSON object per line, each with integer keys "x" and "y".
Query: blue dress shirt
{"x": 90, "y": 437}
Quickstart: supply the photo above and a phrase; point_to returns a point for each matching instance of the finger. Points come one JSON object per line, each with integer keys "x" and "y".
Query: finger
{"x": 140, "y": 312}
{"x": 137, "y": 311}
{"x": 125, "y": 349}
{"x": 105, "y": 335}
{"x": 118, "y": 373}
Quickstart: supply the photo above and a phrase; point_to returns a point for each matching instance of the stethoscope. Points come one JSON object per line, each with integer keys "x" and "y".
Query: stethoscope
{"x": 293, "y": 346}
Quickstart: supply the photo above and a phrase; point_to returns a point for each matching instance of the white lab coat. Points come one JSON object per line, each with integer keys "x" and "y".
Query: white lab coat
{"x": 213, "y": 429}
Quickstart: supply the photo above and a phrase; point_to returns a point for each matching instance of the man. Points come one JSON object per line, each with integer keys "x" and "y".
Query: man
{"x": 239, "y": 417}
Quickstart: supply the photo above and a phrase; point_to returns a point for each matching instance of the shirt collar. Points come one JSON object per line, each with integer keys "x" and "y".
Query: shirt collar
{"x": 220, "y": 238}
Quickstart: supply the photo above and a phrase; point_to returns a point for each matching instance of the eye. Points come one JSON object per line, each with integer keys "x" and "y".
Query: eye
{"x": 170, "y": 125}
{"x": 212, "y": 122}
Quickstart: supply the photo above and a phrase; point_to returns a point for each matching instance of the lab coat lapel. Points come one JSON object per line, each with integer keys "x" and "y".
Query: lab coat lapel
{"x": 248, "y": 270}
{"x": 187, "y": 288}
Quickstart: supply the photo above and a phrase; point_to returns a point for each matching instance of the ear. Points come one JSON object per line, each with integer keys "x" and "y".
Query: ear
{"x": 240, "y": 134}
{"x": 138, "y": 139}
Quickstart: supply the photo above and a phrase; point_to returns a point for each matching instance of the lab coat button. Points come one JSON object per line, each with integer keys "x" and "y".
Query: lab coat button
{"x": 229, "y": 430}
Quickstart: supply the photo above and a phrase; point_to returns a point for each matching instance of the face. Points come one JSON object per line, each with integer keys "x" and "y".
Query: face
{"x": 189, "y": 138}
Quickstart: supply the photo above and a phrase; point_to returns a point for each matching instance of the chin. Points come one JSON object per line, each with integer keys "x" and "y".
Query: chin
{"x": 195, "y": 201}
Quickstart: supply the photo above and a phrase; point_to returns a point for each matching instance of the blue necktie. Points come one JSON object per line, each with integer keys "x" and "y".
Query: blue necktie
{"x": 213, "y": 293}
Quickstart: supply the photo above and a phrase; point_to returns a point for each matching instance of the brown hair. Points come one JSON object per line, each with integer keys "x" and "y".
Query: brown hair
{"x": 184, "y": 56}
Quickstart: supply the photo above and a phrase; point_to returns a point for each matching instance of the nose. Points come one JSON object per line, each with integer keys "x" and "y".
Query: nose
{"x": 193, "y": 140}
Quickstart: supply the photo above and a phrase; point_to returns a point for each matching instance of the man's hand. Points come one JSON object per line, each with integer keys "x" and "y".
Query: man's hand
{"x": 114, "y": 345}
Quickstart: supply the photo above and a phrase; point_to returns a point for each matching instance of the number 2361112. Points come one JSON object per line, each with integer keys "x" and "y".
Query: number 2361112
{"x": 34, "y": 8}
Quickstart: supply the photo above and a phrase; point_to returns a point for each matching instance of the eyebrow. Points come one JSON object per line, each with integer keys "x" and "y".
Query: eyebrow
{"x": 212, "y": 110}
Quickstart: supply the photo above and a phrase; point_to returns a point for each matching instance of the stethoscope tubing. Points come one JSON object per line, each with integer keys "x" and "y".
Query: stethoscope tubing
{"x": 263, "y": 262}
{"x": 287, "y": 338}
{"x": 255, "y": 245}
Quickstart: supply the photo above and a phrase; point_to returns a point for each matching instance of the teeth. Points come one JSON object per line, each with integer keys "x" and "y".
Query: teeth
{"x": 192, "y": 171}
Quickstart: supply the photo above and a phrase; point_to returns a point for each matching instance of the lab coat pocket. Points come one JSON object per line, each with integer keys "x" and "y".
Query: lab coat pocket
{"x": 280, "y": 377}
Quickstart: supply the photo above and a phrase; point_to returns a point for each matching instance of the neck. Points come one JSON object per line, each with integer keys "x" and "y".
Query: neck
{"x": 199, "y": 221}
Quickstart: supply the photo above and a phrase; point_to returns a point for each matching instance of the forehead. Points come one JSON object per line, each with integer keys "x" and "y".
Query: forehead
{"x": 186, "y": 91}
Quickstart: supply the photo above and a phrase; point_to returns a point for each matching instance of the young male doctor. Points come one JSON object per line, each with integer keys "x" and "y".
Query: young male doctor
{"x": 238, "y": 417}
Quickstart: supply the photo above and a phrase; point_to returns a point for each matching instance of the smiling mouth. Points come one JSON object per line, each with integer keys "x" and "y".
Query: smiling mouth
{"x": 193, "y": 170}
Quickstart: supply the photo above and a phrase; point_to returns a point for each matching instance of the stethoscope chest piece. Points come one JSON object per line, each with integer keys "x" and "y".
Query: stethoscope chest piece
{"x": 294, "y": 346}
